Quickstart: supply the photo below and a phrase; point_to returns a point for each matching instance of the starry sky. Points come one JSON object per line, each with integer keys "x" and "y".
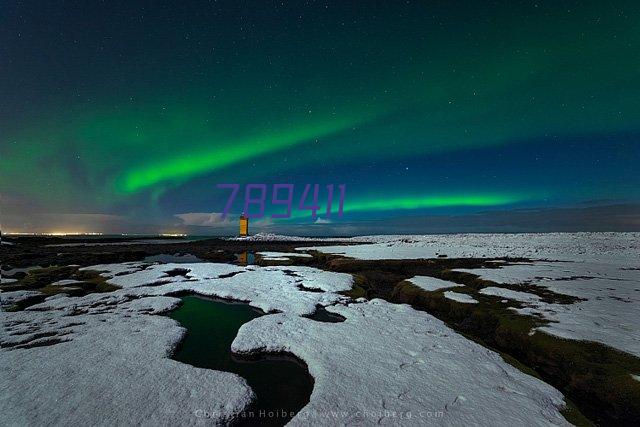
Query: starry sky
{"x": 122, "y": 116}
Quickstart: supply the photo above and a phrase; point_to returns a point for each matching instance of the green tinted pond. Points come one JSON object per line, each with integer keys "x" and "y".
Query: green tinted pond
{"x": 281, "y": 383}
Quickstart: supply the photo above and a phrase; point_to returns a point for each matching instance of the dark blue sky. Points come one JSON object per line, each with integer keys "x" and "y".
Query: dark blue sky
{"x": 123, "y": 116}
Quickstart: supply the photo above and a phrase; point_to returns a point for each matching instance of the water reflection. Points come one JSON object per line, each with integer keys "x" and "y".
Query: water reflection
{"x": 245, "y": 258}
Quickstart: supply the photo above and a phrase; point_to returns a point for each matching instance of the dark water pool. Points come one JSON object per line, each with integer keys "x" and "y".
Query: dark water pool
{"x": 281, "y": 383}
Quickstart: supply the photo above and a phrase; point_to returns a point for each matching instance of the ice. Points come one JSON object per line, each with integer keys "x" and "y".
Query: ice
{"x": 431, "y": 283}
{"x": 458, "y": 297}
{"x": 390, "y": 364}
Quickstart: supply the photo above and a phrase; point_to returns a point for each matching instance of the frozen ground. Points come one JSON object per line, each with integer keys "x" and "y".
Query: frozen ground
{"x": 387, "y": 361}
{"x": 509, "y": 294}
{"x": 431, "y": 283}
{"x": 621, "y": 249}
{"x": 288, "y": 289}
{"x": 104, "y": 358}
{"x": 9, "y": 298}
{"x": 609, "y": 311}
{"x": 601, "y": 268}
{"x": 282, "y": 256}
{"x": 458, "y": 297}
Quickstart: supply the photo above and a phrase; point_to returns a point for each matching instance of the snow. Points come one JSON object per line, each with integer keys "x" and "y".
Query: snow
{"x": 609, "y": 312}
{"x": 508, "y": 293}
{"x": 431, "y": 283}
{"x": 282, "y": 256}
{"x": 13, "y": 271}
{"x": 636, "y": 377}
{"x": 270, "y": 237}
{"x": 390, "y": 364}
{"x": 268, "y": 288}
{"x": 7, "y": 280}
{"x": 111, "y": 366}
{"x": 603, "y": 268}
{"x": 70, "y": 355}
{"x": 10, "y": 298}
{"x": 66, "y": 282}
{"x": 458, "y": 297}
{"x": 613, "y": 248}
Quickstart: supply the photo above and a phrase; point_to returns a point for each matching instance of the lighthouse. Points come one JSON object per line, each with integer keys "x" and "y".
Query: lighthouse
{"x": 244, "y": 225}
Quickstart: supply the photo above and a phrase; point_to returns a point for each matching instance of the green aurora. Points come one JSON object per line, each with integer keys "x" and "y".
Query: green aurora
{"x": 379, "y": 99}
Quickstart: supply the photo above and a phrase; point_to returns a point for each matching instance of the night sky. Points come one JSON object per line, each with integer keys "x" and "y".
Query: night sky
{"x": 123, "y": 116}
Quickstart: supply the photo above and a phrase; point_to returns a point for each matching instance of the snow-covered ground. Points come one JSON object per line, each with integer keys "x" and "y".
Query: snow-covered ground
{"x": 509, "y": 294}
{"x": 602, "y": 268}
{"x": 111, "y": 364}
{"x": 622, "y": 249}
{"x": 268, "y": 288}
{"x": 282, "y": 256}
{"x": 458, "y": 297}
{"x": 7, "y": 299}
{"x": 389, "y": 364}
{"x": 431, "y": 284}
{"x": 609, "y": 311}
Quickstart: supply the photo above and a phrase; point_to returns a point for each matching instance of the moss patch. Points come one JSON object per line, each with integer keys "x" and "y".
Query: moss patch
{"x": 41, "y": 280}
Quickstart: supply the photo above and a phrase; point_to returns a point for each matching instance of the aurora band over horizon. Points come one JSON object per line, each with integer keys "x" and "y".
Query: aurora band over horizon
{"x": 415, "y": 106}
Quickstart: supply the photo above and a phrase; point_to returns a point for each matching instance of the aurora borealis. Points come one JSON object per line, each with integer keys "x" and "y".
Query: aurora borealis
{"x": 123, "y": 116}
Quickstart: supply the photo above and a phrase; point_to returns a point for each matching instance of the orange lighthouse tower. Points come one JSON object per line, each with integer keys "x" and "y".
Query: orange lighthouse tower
{"x": 244, "y": 225}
